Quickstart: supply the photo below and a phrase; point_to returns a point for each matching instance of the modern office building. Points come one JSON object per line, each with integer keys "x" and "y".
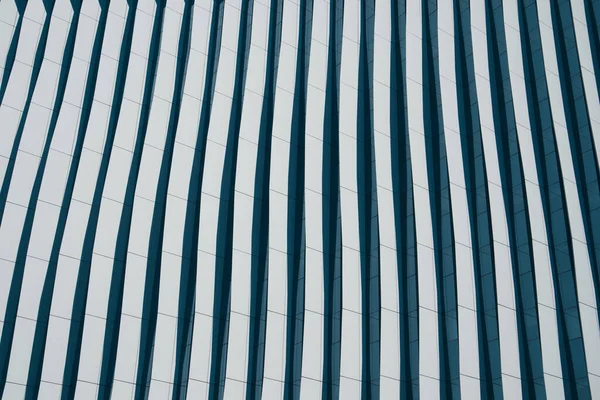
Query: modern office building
{"x": 299, "y": 199}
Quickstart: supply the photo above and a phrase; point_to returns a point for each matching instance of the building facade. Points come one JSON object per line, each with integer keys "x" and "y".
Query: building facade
{"x": 283, "y": 199}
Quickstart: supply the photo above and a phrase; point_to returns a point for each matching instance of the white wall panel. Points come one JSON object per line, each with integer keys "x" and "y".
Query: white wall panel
{"x": 317, "y": 362}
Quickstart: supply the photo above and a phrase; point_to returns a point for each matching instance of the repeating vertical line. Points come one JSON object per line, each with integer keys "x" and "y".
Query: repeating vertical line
{"x": 80, "y": 300}
{"x": 25, "y": 237}
{"x": 152, "y": 283}
{"x": 525, "y": 113}
{"x": 509, "y": 373}
{"x": 554, "y": 203}
{"x": 115, "y": 303}
{"x": 35, "y": 366}
{"x": 192, "y": 217}
{"x": 105, "y": 386}
{"x": 404, "y": 208}
{"x": 516, "y": 281}
{"x": 13, "y": 301}
{"x": 41, "y": 330}
{"x": 428, "y": 327}
{"x": 296, "y": 242}
{"x": 583, "y": 151}
{"x": 37, "y": 66}
{"x": 439, "y": 195}
{"x": 519, "y": 227}
{"x": 584, "y": 316}
{"x": 478, "y": 203}
{"x": 225, "y": 218}
{"x": 367, "y": 209}
{"x": 464, "y": 283}
{"x": 260, "y": 218}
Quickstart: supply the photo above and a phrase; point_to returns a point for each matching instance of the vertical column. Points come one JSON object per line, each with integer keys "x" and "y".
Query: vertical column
{"x": 175, "y": 168}
{"x": 465, "y": 273}
{"x": 239, "y": 319}
{"x": 583, "y": 274}
{"x": 54, "y": 312}
{"x": 544, "y": 284}
{"x": 281, "y": 211}
{"x": 509, "y": 350}
{"x": 428, "y": 320}
{"x": 23, "y": 190}
{"x": 314, "y": 349}
{"x": 389, "y": 301}
{"x": 202, "y": 344}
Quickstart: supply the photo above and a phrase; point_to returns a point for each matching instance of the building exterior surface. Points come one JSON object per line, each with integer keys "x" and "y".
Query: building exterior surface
{"x": 283, "y": 199}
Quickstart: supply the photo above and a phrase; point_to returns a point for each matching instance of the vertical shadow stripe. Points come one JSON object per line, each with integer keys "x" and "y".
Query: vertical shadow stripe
{"x": 105, "y": 387}
{"x": 368, "y": 220}
{"x": 260, "y": 217}
{"x": 583, "y": 151}
{"x": 83, "y": 277}
{"x": 154, "y": 263}
{"x": 35, "y": 73}
{"x": 404, "y": 208}
{"x": 515, "y": 203}
{"x": 573, "y": 364}
{"x": 37, "y": 354}
{"x": 439, "y": 198}
{"x": 331, "y": 224}
{"x": 21, "y": 258}
{"x": 478, "y": 200}
{"x": 41, "y": 329}
{"x": 187, "y": 295}
{"x": 296, "y": 242}
{"x": 548, "y": 169}
{"x": 115, "y": 302}
{"x": 224, "y": 254}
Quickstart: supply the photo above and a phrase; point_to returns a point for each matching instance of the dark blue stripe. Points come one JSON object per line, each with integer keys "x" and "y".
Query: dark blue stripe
{"x": 552, "y": 193}
{"x": 41, "y": 330}
{"x": 115, "y": 302}
{"x": 224, "y": 254}
{"x": 154, "y": 262}
{"x": 583, "y": 152}
{"x": 10, "y": 317}
{"x": 37, "y": 355}
{"x": 404, "y": 209}
{"x": 439, "y": 197}
{"x": 260, "y": 215}
{"x": 368, "y": 219}
{"x": 296, "y": 242}
{"x": 187, "y": 295}
{"x": 479, "y": 210}
{"x": 21, "y": 258}
{"x": 332, "y": 229}
{"x": 515, "y": 202}
{"x": 81, "y": 289}
{"x": 105, "y": 387}
{"x": 578, "y": 129}
{"x": 35, "y": 73}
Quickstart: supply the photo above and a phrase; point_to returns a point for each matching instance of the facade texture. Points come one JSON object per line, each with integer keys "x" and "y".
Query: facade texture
{"x": 283, "y": 199}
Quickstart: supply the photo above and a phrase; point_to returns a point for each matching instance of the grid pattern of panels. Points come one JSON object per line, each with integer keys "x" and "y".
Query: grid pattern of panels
{"x": 299, "y": 199}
